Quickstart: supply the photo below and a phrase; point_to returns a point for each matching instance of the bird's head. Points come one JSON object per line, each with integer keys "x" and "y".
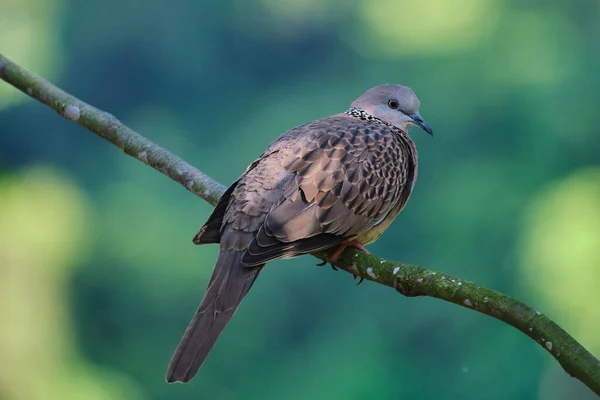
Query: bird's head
{"x": 395, "y": 104}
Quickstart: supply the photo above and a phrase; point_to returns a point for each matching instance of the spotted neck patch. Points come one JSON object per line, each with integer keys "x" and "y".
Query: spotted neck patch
{"x": 365, "y": 116}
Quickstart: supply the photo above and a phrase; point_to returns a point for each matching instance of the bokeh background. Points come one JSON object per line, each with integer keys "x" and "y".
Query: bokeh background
{"x": 99, "y": 275}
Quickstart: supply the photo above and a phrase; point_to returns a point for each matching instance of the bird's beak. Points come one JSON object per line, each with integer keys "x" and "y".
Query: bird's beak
{"x": 420, "y": 122}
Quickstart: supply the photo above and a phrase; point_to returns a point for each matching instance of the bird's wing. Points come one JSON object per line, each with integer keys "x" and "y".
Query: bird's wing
{"x": 323, "y": 183}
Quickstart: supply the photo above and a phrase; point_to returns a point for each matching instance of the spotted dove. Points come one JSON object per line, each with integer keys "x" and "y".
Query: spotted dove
{"x": 336, "y": 181}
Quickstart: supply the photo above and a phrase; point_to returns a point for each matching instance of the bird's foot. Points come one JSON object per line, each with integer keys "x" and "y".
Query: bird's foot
{"x": 339, "y": 250}
{"x": 344, "y": 245}
{"x": 325, "y": 262}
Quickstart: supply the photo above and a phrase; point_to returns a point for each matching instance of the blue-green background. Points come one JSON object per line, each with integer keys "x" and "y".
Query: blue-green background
{"x": 99, "y": 275}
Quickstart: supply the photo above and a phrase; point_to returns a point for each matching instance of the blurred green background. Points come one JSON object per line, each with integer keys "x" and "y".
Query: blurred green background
{"x": 99, "y": 275}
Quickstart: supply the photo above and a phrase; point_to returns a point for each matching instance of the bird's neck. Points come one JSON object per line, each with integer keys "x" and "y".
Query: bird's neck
{"x": 365, "y": 116}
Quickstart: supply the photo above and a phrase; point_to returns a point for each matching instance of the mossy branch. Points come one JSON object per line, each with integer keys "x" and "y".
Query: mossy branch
{"x": 409, "y": 280}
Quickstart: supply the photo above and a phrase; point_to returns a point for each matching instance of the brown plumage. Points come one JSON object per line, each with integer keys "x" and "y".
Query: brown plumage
{"x": 337, "y": 179}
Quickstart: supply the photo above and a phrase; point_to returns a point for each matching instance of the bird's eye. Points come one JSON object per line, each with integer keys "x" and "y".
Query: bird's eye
{"x": 393, "y": 104}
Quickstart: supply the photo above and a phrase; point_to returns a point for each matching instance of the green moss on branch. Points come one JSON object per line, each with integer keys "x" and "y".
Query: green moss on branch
{"x": 412, "y": 281}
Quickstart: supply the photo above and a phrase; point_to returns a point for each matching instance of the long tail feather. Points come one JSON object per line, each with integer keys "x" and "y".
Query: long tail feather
{"x": 228, "y": 285}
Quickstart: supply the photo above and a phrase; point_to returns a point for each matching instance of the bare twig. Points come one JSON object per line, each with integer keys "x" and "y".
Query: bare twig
{"x": 409, "y": 280}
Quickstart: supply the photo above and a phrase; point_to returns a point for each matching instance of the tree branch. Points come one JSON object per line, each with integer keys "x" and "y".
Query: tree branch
{"x": 409, "y": 280}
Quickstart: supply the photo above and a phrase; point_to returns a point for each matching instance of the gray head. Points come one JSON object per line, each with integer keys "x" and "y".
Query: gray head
{"x": 395, "y": 104}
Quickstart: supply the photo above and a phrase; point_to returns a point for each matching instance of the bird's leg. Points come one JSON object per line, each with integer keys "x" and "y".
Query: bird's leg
{"x": 339, "y": 250}
{"x": 348, "y": 243}
{"x": 342, "y": 247}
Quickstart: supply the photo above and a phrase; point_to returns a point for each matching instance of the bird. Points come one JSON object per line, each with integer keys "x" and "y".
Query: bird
{"x": 335, "y": 182}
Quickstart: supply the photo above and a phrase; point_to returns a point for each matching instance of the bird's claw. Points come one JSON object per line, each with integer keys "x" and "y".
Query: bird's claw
{"x": 327, "y": 262}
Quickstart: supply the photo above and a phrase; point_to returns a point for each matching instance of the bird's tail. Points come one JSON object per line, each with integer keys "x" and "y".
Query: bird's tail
{"x": 228, "y": 285}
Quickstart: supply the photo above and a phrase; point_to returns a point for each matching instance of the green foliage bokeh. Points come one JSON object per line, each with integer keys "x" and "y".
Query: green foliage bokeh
{"x": 100, "y": 275}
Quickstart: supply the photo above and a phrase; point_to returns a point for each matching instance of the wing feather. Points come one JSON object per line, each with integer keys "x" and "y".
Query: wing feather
{"x": 345, "y": 180}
